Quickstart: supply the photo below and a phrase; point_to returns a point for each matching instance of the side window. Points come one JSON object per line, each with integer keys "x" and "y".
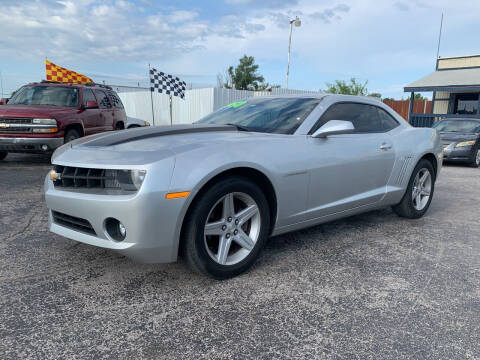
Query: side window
{"x": 117, "y": 103}
{"x": 364, "y": 117}
{"x": 103, "y": 101}
{"x": 88, "y": 96}
{"x": 388, "y": 122}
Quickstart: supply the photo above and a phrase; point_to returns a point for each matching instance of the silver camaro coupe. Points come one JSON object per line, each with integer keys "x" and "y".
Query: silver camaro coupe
{"x": 214, "y": 191}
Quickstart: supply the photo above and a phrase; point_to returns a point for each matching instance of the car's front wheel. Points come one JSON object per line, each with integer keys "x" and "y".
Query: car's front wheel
{"x": 418, "y": 196}
{"x": 226, "y": 228}
{"x": 476, "y": 159}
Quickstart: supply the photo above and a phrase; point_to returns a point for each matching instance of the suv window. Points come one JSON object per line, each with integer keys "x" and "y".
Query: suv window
{"x": 115, "y": 100}
{"x": 103, "y": 101}
{"x": 364, "y": 117}
{"x": 88, "y": 96}
{"x": 388, "y": 122}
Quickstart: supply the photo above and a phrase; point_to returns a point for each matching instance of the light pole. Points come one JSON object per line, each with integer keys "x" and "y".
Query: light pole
{"x": 297, "y": 23}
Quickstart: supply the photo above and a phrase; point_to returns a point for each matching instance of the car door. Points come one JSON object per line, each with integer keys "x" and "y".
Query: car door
{"x": 106, "y": 111}
{"x": 89, "y": 116}
{"x": 349, "y": 170}
{"x": 119, "y": 115}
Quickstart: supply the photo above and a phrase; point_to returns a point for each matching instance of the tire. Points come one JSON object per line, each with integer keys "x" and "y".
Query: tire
{"x": 203, "y": 252}
{"x": 476, "y": 159}
{"x": 71, "y": 135}
{"x": 119, "y": 126}
{"x": 411, "y": 206}
{"x": 3, "y": 155}
{"x": 133, "y": 126}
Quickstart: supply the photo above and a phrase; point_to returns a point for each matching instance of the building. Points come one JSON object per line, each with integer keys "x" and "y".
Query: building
{"x": 456, "y": 88}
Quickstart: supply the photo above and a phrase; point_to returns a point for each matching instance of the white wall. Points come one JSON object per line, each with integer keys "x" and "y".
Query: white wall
{"x": 197, "y": 103}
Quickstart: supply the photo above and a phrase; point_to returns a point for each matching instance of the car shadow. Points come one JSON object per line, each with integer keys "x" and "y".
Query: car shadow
{"x": 26, "y": 159}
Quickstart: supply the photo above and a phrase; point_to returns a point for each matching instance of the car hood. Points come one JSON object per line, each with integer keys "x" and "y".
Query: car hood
{"x": 454, "y": 137}
{"x": 31, "y": 111}
{"x": 149, "y": 144}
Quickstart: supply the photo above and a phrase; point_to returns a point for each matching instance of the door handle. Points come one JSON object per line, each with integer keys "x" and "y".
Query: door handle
{"x": 385, "y": 146}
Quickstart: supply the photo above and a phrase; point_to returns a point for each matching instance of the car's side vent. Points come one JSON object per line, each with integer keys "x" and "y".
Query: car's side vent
{"x": 403, "y": 166}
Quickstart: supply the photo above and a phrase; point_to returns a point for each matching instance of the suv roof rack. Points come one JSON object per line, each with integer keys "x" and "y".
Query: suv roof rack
{"x": 65, "y": 83}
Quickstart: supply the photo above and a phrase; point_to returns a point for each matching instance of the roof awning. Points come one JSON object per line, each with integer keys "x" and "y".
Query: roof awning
{"x": 447, "y": 80}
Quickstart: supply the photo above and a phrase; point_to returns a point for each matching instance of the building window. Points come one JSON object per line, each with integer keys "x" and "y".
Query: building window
{"x": 466, "y": 104}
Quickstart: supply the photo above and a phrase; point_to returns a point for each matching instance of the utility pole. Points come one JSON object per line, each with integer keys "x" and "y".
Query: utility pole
{"x": 297, "y": 23}
{"x": 439, "y": 37}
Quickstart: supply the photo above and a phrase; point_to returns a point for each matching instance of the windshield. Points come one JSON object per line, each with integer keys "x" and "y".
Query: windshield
{"x": 45, "y": 95}
{"x": 279, "y": 115}
{"x": 462, "y": 126}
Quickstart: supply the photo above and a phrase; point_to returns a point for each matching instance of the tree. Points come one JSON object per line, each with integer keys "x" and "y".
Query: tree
{"x": 352, "y": 88}
{"x": 375, "y": 95}
{"x": 244, "y": 76}
{"x": 420, "y": 97}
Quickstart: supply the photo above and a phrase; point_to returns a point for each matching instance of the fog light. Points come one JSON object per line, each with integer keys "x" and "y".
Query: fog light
{"x": 122, "y": 229}
{"x": 44, "y": 147}
{"x": 115, "y": 229}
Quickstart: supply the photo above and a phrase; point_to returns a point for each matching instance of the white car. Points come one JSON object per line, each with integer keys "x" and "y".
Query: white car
{"x": 135, "y": 123}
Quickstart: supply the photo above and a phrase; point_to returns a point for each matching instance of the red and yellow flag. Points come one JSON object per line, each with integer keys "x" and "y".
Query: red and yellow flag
{"x": 60, "y": 74}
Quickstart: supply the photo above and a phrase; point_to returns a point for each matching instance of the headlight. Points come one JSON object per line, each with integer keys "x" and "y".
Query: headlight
{"x": 146, "y": 123}
{"x": 465, "y": 143}
{"x": 130, "y": 180}
{"x": 45, "y": 121}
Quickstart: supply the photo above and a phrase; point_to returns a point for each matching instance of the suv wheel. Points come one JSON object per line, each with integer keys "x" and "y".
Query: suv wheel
{"x": 3, "y": 155}
{"x": 227, "y": 228}
{"x": 71, "y": 135}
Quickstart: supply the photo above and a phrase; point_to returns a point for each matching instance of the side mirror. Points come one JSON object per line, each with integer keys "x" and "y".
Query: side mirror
{"x": 3, "y": 101}
{"x": 91, "y": 105}
{"x": 334, "y": 127}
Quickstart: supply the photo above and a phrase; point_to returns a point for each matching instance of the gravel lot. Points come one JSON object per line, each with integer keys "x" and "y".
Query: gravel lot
{"x": 373, "y": 286}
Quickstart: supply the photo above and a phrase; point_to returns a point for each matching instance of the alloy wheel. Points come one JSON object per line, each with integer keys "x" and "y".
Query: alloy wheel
{"x": 477, "y": 158}
{"x": 232, "y": 228}
{"x": 422, "y": 187}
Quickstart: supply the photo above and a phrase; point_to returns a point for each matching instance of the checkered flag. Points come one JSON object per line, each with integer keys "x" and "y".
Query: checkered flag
{"x": 166, "y": 84}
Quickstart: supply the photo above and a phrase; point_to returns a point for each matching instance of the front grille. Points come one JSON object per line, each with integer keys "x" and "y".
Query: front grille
{"x": 12, "y": 122}
{"x": 15, "y": 120}
{"x": 73, "y": 222}
{"x": 78, "y": 177}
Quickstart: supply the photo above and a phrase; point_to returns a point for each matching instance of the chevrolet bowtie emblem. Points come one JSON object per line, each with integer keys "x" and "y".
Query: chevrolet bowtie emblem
{"x": 3, "y": 125}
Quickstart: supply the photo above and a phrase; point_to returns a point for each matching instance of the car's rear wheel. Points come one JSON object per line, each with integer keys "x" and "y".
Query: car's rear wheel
{"x": 227, "y": 228}
{"x": 418, "y": 196}
{"x": 476, "y": 159}
{"x": 3, "y": 155}
{"x": 71, "y": 135}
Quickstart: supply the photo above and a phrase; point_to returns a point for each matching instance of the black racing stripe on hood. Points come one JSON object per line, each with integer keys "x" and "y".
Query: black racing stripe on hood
{"x": 126, "y": 136}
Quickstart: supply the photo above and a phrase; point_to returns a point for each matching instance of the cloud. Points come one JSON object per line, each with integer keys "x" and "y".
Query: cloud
{"x": 107, "y": 30}
{"x": 329, "y": 14}
{"x": 402, "y": 6}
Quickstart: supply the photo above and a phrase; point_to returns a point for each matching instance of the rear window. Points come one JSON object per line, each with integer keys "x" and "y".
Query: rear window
{"x": 103, "y": 101}
{"x": 117, "y": 103}
{"x": 45, "y": 95}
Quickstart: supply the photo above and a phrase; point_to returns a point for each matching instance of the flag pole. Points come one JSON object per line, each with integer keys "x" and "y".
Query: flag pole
{"x": 171, "y": 115}
{"x": 151, "y": 96}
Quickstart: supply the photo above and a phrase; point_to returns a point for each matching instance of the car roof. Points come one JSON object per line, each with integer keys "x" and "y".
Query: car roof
{"x": 320, "y": 95}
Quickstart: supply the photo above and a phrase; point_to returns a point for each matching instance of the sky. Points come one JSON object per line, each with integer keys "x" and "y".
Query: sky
{"x": 390, "y": 43}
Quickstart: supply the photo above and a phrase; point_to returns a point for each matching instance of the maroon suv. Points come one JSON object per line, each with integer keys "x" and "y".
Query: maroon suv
{"x": 42, "y": 116}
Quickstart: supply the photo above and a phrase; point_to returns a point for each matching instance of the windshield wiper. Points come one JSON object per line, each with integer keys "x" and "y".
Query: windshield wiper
{"x": 240, "y": 127}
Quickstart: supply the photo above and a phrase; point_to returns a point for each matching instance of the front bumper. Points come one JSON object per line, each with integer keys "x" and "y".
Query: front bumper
{"x": 462, "y": 154}
{"x": 151, "y": 221}
{"x": 29, "y": 145}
